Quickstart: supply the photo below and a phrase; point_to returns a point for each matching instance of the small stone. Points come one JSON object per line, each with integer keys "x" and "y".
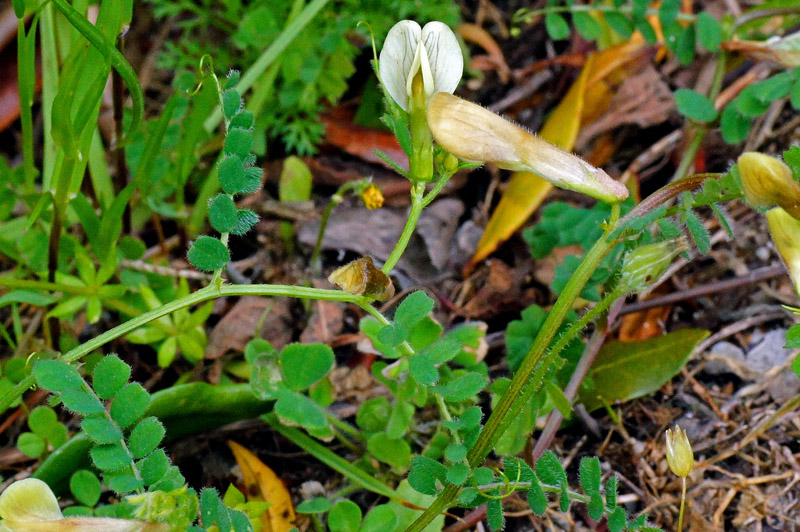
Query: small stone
{"x": 724, "y": 357}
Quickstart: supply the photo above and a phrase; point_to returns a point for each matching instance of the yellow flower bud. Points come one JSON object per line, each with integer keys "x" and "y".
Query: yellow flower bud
{"x": 679, "y": 452}
{"x": 372, "y": 197}
{"x": 477, "y": 135}
{"x": 767, "y": 181}
{"x": 785, "y": 231}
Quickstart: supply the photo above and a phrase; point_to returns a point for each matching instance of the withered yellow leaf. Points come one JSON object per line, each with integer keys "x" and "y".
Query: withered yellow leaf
{"x": 262, "y": 484}
{"x": 362, "y": 278}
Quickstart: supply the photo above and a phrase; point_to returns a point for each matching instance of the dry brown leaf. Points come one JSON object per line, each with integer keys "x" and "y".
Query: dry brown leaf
{"x": 241, "y": 323}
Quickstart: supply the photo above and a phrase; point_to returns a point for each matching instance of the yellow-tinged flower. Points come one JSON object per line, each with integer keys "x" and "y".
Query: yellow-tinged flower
{"x": 679, "y": 452}
{"x": 372, "y": 197}
{"x": 432, "y": 51}
{"x": 477, "y": 135}
{"x": 785, "y": 231}
{"x": 767, "y": 181}
{"x": 29, "y": 506}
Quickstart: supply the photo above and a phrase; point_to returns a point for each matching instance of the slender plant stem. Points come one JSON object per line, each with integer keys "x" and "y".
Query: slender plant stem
{"x": 683, "y": 504}
{"x": 117, "y": 91}
{"x": 699, "y": 134}
{"x": 527, "y": 378}
{"x": 204, "y": 294}
{"x": 417, "y": 191}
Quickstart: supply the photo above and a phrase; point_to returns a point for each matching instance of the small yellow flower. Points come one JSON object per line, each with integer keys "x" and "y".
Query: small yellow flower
{"x": 767, "y": 181}
{"x": 785, "y": 232}
{"x": 679, "y": 452}
{"x": 372, "y": 197}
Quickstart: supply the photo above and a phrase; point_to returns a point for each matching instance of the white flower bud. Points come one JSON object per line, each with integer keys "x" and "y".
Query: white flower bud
{"x": 475, "y": 134}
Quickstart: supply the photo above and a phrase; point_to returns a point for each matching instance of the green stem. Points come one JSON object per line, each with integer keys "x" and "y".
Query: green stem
{"x": 437, "y": 188}
{"x": 699, "y": 134}
{"x": 204, "y": 294}
{"x": 417, "y": 191}
{"x": 683, "y": 504}
{"x": 527, "y": 378}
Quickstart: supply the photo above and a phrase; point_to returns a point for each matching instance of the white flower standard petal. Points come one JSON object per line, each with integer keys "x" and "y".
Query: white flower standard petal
{"x": 397, "y": 57}
{"x": 28, "y": 500}
{"x": 433, "y": 51}
{"x": 444, "y": 55}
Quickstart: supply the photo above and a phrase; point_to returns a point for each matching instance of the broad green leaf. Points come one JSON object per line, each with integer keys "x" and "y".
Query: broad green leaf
{"x": 297, "y": 409}
{"x": 85, "y": 486}
{"x": 304, "y": 364}
{"x": 130, "y": 404}
{"x": 556, "y": 26}
{"x": 111, "y": 457}
{"x": 412, "y": 310}
{"x": 31, "y": 445}
{"x": 395, "y": 452}
{"x": 626, "y": 370}
{"x": 222, "y": 213}
{"x": 379, "y": 519}
{"x": 208, "y": 254}
{"x": 101, "y": 430}
{"x": 57, "y": 376}
{"x": 694, "y": 105}
{"x": 154, "y": 467}
{"x": 145, "y": 437}
{"x": 345, "y": 516}
{"x": 110, "y": 375}
{"x": 317, "y": 505}
{"x": 709, "y": 32}
{"x": 425, "y": 473}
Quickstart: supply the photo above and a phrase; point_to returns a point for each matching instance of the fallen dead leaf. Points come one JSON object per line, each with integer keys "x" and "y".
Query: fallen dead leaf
{"x": 326, "y": 321}
{"x": 241, "y": 323}
{"x": 262, "y": 484}
{"x": 361, "y": 141}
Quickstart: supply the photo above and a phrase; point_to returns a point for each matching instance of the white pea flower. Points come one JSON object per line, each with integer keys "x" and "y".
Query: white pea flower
{"x": 432, "y": 51}
{"x": 29, "y": 506}
{"x": 475, "y": 134}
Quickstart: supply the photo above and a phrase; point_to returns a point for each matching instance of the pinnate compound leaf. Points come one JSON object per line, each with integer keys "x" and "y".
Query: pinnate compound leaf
{"x": 208, "y": 254}
{"x": 232, "y": 175}
{"x": 694, "y": 105}
{"x": 110, "y": 375}
{"x": 425, "y": 473}
{"x": 793, "y": 337}
{"x": 699, "y": 232}
{"x": 589, "y": 472}
{"x": 57, "y": 376}
{"x": 537, "y": 499}
{"x": 154, "y": 467}
{"x": 85, "y": 486}
{"x": 242, "y": 119}
{"x": 222, "y": 213}
{"x": 82, "y": 402}
{"x": 124, "y": 483}
{"x": 238, "y": 142}
{"x": 31, "y": 445}
{"x": 412, "y": 310}
{"x": 556, "y": 26}
{"x": 616, "y": 520}
{"x": 245, "y": 220}
{"x": 145, "y": 437}
{"x": 317, "y": 505}
{"x": 494, "y": 514}
{"x": 395, "y": 452}
{"x": 611, "y": 492}
{"x": 101, "y": 430}
{"x": 297, "y": 409}
{"x": 345, "y": 516}
{"x": 304, "y": 364}
{"x": 231, "y": 102}
{"x": 709, "y": 32}
{"x": 464, "y": 387}
{"x": 111, "y": 457}
{"x": 550, "y": 470}
{"x": 422, "y": 369}
{"x": 129, "y": 404}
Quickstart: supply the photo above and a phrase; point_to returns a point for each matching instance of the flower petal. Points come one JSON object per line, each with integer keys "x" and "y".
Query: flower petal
{"x": 444, "y": 55}
{"x": 29, "y": 500}
{"x": 397, "y": 58}
{"x": 475, "y": 134}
